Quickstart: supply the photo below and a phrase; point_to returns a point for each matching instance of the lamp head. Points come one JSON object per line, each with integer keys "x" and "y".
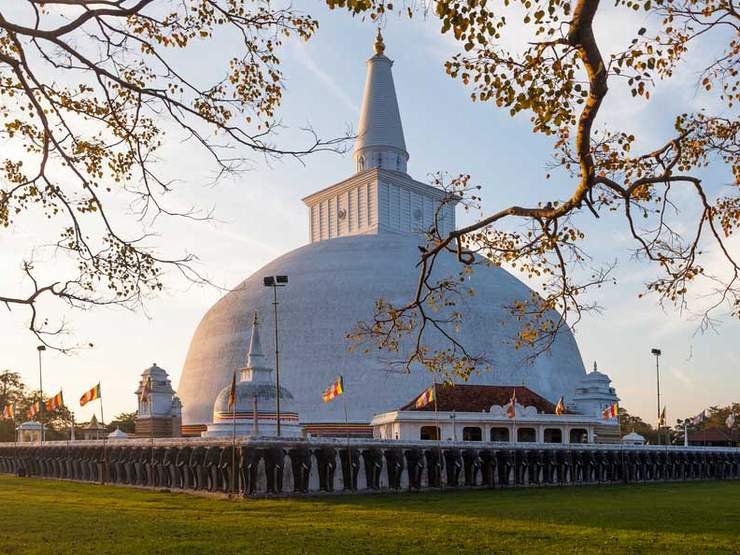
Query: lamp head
{"x": 41, "y": 348}
{"x": 656, "y": 352}
{"x": 275, "y": 281}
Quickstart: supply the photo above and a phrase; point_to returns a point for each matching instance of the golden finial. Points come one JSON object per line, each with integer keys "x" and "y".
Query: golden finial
{"x": 379, "y": 44}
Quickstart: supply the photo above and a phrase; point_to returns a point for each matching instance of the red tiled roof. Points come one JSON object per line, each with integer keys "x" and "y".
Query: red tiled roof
{"x": 479, "y": 398}
{"x": 712, "y": 434}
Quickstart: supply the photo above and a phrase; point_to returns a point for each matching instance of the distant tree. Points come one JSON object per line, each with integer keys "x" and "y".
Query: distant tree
{"x": 629, "y": 423}
{"x": 57, "y": 421}
{"x": 12, "y": 392}
{"x": 12, "y": 387}
{"x": 126, "y": 421}
{"x": 716, "y": 417}
{"x": 89, "y": 92}
{"x": 556, "y": 73}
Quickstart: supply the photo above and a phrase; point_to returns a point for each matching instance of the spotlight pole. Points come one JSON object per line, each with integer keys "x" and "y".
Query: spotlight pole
{"x": 275, "y": 282}
{"x": 657, "y": 353}
{"x": 41, "y": 348}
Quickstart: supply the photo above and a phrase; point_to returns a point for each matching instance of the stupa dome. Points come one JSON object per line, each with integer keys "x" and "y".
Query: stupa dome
{"x": 246, "y": 392}
{"x": 334, "y": 284}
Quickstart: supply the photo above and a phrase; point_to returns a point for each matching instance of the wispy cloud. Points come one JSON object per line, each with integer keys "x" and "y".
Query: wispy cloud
{"x": 304, "y": 58}
{"x": 681, "y": 376}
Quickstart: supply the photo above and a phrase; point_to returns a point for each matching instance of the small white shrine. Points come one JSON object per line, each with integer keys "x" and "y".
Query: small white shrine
{"x": 254, "y": 412}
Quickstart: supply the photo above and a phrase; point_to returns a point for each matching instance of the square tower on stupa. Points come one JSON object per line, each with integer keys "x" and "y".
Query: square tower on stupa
{"x": 380, "y": 197}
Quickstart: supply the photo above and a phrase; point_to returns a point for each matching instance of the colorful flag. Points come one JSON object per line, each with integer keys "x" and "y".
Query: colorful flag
{"x": 698, "y": 419}
{"x": 9, "y": 412}
{"x": 425, "y": 398}
{"x": 54, "y": 403}
{"x": 232, "y": 392}
{"x": 661, "y": 418}
{"x": 146, "y": 391}
{"x": 612, "y": 411}
{"x": 511, "y": 408}
{"x": 560, "y": 407}
{"x": 91, "y": 395}
{"x": 334, "y": 390}
{"x": 730, "y": 420}
{"x": 34, "y": 409}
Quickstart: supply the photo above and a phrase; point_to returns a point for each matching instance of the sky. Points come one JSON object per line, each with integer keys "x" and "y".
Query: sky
{"x": 258, "y": 216}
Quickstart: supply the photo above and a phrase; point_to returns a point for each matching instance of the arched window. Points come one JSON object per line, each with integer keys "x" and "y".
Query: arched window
{"x": 578, "y": 435}
{"x": 429, "y": 433}
{"x": 526, "y": 435}
{"x": 499, "y": 434}
{"x": 553, "y": 435}
{"x": 472, "y": 433}
{"x": 361, "y": 163}
{"x": 398, "y": 163}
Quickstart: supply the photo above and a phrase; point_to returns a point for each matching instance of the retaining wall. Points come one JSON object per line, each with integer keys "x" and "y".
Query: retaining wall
{"x": 273, "y": 466}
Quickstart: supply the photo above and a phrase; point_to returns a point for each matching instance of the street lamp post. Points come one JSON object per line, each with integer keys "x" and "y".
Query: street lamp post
{"x": 657, "y": 353}
{"x": 275, "y": 282}
{"x": 40, "y": 349}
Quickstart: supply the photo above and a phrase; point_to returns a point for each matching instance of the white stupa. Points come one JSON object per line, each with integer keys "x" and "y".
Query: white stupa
{"x": 364, "y": 239}
{"x": 254, "y": 412}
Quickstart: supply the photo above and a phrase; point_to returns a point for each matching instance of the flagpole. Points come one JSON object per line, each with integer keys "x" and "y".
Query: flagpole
{"x": 105, "y": 436}
{"x": 151, "y": 429}
{"x": 15, "y": 442}
{"x": 102, "y": 419}
{"x": 685, "y": 434}
{"x": 255, "y": 426}
{"x": 72, "y": 428}
{"x": 233, "y": 442}
{"x": 513, "y": 432}
{"x": 439, "y": 428}
{"x": 346, "y": 425}
{"x": 41, "y": 393}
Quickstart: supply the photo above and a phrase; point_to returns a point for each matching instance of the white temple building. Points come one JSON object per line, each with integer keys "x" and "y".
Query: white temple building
{"x": 363, "y": 245}
{"x": 593, "y": 394}
{"x": 160, "y": 410}
{"x": 463, "y": 412}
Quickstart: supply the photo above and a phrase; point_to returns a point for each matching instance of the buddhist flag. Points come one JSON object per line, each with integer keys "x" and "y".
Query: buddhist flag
{"x": 33, "y": 410}
{"x": 511, "y": 408}
{"x": 698, "y": 419}
{"x": 612, "y": 411}
{"x": 55, "y": 403}
{"x": 425, "y": 398}
{"x": 661, "y": 418}
{"x": 9, "y": 412}
{"x": 334, "y": 390}
{"x": 730, "y": 420}
{"x": 232, "y": 392}
{"x": 91, "y": 395}
{"x": 560, "y": 407}
{"x": 147, "y": 389}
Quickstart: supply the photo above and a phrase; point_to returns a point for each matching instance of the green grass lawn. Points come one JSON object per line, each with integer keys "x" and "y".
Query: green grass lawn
{"x": 61, "y": 517}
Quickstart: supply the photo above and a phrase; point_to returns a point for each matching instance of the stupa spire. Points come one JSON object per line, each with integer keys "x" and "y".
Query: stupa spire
{"x": 255, "y": 357}
{"x": 380, "y": 142}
